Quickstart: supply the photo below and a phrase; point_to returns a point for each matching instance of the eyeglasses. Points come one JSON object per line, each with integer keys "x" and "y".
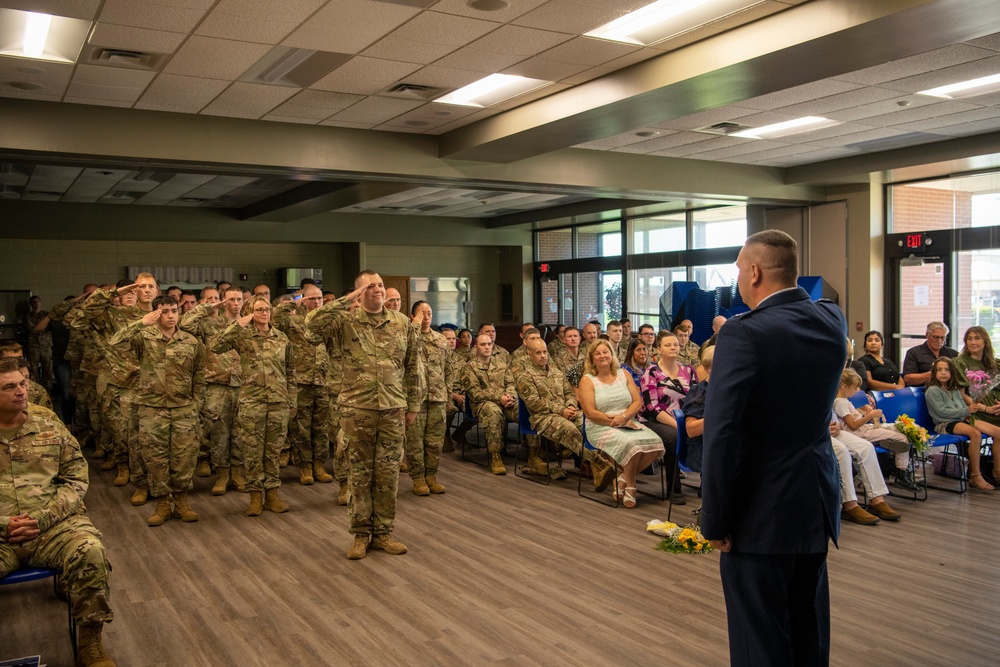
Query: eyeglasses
{"x": 262, "y": 310}
{"x": 938, "y": 337}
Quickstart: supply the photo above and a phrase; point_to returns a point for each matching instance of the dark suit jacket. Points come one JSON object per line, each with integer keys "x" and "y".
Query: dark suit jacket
{"x": 769, "y": 473}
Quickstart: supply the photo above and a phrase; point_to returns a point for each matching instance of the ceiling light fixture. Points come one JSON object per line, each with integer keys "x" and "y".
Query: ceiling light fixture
{"x": 491, "y": 90}
{"x": 970, "y": 88}
{"x": 36, "y": 31}
{"x": 41, "y": 36}
{"x": 666, "y": 18}
{"x": 806, "y": 124}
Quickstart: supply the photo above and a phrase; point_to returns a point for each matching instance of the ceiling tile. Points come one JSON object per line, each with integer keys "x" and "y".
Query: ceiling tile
{"x": 711, "y": 144}
{"x": 588, "y": 51}
{"x": 870, "y": 134}
{"x": 376, "y": 110}
{"x": 108, "y": 83}
{"x": 392, "y": 47}
{"x": 777, "y": 152}
{"x": 991, "y": 42}
{"x": 348, "y": 26}
{"x": 7, "y": 91}
{"x": 623, "y": 139}
{"x": 737, "y": 150}
{"x": 248, "y": 100}
{"x": 532, "y": 95}
{"x": 798, "y": 94}
{"x": 576, "y": 16}
{"x": 762, "y": 118}
{"x": 850, "y": 99}
{"x": 214, "y": 58}
{"x": 932, "y": 124}
{"x": 365, "y": 76}
{"x": 518, "y": 41}
{"x": 728, "y": 22}
{"x": 478, "y": 115}
{"x": 167, "y": 15}
{"x": 478, "y": 61}
{"x": 315, "y": 104}
{"x": 942, "y": 77}
{"x": 706, "y": 118}
{"x": 891, "y": 105}
{"x": 665, "y": 142}
{"x": 129, "y": 38}
{"x": 930, "y": 61}
{"x": 989, "y": 125}
{"x": 511, "y": 11}
{"x": 185, "y": 94}
{"x": 436, "y": 28}
{"x": 52, "y": 76}
{"x": 233, "y": 26}
{"x": 289, "y": 119}
{"x": 636, "y": 56}
{"x": 544, "y": 69}
{"x": 444, "y": 77}
{"x": 916, "y": 113}
{"x": 814, "y": 156}
{"x": 105, "y": 102}
{"x": 74, "y": 9}
{"x": 825, "y": 133}
{"x": 344, "y": 123}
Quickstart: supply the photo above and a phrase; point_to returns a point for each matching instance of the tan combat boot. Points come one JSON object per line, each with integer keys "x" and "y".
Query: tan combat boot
{"x": 387, "y": 543}
{"x": 420, "y": 487}
{"x": 496, "y": 464}
{"x": 99, "y": 452}
{"x": 273, "y": 503}
{"x": 108, "y": 464}
{"x": 140, "y": 495}
{"x": 256, "y": 506}
{"x": 535, "y": 465}
{"x": 603, "y": 474}
{"x": 434, "y": 485}
{"x": 203, "y": 469}
{"x": 359, "y": 548}
{"x": 239, "y": 479}
{"x": 403, "y": 465}
{"x": 345, "y": 493}
{"x": 284, "y": 457}
{"x": 306, "y": 474}
{"x": 182, "y": 510}
{"x": 122, "y": 478}
{"x": 320, "y": 474}
{"x": 90, "y": 652}
{"x": 221, "y": 482}
{"x": 449, "y": 444}
{"x": 162, "y": 512}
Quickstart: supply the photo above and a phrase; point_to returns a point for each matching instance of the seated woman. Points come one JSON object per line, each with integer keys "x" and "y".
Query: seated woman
{"x": 610, "y": 400}
{"x": 951, "y": 409}
{"x": 636, "y": 360}
{"x": 845, "y": 445}
{"x": 881, "y": 374}
{"x": 866, "y": 423}
{"x": 664, "y": 384}
{"x": 977, "y": 355}
{"x": 463, "y": 348}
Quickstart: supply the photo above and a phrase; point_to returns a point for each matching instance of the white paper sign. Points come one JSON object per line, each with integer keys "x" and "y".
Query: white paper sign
{"x": 921, "y": 295}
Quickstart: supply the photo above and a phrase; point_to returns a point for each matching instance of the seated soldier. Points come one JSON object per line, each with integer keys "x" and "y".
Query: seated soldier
{"x": 43, "y": 479}
{"x": 519, "y": 357}
{"x": 556, "y": 415}
{"x": 36, "y": 392}
{"x": 487, "y": 381}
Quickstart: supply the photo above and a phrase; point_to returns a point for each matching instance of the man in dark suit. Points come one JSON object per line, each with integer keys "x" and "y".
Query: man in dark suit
{"x": 770, "y": 485}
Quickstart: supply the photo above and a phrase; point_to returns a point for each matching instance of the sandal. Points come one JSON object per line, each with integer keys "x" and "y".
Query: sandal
{"x": 629, "y": 499}
{"x": 618, "y": 491}
{"x": 982, "y": 484}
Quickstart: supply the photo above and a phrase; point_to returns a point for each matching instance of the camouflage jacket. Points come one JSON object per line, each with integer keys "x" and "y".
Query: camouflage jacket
{"x": 99, "y": 313}
{"x": 204, "y": 324}
{"x": 518, "y": 359}
{"x": 60, "y": 312}
{"x": 563, "y": 359}
{"x": 501, "y": 353}
{"x": 381, "y": 362}
{"x": 690, "y": 354}
{"x": 486, "y": 383}
{"x": 309, "y": 350}
{"x": 545, "y": 391}
{"x": 37, "y": 338}
{"x": 439, "y": 370}
{"x": 171, "y": 370}
{"x": 38, "y": 395}
{"x": 42, "y": 472}
{"x": 267, "y": 364}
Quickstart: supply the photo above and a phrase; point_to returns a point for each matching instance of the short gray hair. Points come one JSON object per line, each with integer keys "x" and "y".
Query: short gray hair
{"x": 934, "y": 326}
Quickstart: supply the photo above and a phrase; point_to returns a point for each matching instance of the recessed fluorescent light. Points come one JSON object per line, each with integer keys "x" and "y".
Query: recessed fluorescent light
{"x": 41, "y": 36}
{"x": 491, "y": 90}
{"x": 971, "y": 88}
{"x": 786, "y": 128}
{"x": 666, "y": 18}
{"x": 36, "y": 31}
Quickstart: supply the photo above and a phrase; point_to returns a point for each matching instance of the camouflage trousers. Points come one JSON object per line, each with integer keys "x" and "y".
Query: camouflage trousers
{"x": 136, "y": 463}
{"x": 308, "y": 430}
{"x": 168, "y": 438}
{"x": 374, "y": 441}
{"x": 341, "y": 464}
{"x": 40, "y": 357}
{"x": 217, "y": 419}
{"x": 493, "y": 420}
{"x": 260, "y": 430}
{"x": 561, "y": 431}
{"x": 73, "y": 546}
{"x": 87, "y": 417}
{"x": 117, "y": 409}
{"x": 424, "y": 440}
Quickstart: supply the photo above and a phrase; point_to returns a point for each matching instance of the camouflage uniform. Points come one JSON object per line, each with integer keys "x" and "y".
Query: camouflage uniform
{"x": 451, "y": 407}
{"x": 499, "y": 353}
{"x": 267, "y": 396}
{"x": 91, "y": 361}
{"x": 169, "y": 393}
{"x": 546, "y": 393}
{"x": 39, "y": 348}
{"x": 308, "y": 430}
{"x": 555, "y": 346}
{"x": 381, "y": 382}
{"x": 43, "y": 474}
{"x": 425, "y": 437}
{"x": 222, "y": 389}
{"x": 484, "y": 386}
{"x": 518, "y": 359}
{"x": 38, "y": 395}
{"x": 564, "y": 359}
{"x": 74, "y": 353}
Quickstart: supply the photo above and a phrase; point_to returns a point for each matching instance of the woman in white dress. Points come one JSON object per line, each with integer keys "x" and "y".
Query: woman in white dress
{"x": 611, "y": 401}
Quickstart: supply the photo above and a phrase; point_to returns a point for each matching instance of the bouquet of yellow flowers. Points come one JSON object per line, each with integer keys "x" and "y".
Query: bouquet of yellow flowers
{"x": 916, "y": 434}
{"x": 679, "y": 539}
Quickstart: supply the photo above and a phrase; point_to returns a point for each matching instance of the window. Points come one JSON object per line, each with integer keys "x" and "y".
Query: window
{"x": 978, "y": 300}
{"x": 716, "y": 275}
{"x": 598, "y": 297}
{"x": 659, "y": 234}
{"x": 646, "y": 287}
{"x": 950, "y": 203}
{"x": 719, "y": 227}
{"x": 603, "y": 240}
{"x": 555, "y": 244}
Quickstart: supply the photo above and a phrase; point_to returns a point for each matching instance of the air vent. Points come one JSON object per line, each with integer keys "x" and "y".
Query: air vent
{"x": 297, "y": 68}
{"x": 126, "y": 59}
{"x": 413, "y": 91}
{"x": 724, "y": 128}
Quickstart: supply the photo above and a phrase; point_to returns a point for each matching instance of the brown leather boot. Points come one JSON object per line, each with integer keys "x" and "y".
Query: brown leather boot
{"x": 306, "y": 474}
{"x": 239, "y": 479}
{"x": 320, "y": 474}
{"x": 345, "y": 493}
{"x": 283, "y": 458}
{"x": 90, "y": 652}
{"x": 203, "y": 469}
{"x": 140, "y": 495}
{"x": 122, "y": 478}
{"x": 162, "y": 513}
{"x": 182, "y": 510}
{"x": 420, "y": 487}
{"x": 273, "y": 503}
{"x": 99, "y": 452}
{"x": 221, "y": 482}
{"x": 108, "y": 464}
{"x": 256, "y": 506}
{"x": 434, "y": 485}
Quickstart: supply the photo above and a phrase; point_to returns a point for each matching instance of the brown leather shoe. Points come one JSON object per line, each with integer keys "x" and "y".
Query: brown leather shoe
{"x": 883, "y": 511}
{"x": 858, "y": 515}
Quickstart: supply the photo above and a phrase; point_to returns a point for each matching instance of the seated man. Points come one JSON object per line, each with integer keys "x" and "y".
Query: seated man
{"x": 36, "y": 392}
{"x": 844, "y": 446}
{"x": 519, "y": 357}
{"x": 918, "y": 361}
{"x": 43, "y": 479}
{"x": 556, "y": 415}
{"x": 487, "y": 381}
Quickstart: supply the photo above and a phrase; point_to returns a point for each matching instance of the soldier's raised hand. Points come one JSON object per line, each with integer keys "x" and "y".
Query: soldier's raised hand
{"x": 245, "y": 320}
{"x": 127, "y": 288}
{"x": 152, "y": 317}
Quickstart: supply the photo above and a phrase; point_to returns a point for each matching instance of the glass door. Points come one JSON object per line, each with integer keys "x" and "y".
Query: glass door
{"x": 922, "y": 296}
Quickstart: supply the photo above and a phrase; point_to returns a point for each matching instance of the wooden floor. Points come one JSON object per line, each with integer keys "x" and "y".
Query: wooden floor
{"x": 500, "y": 571}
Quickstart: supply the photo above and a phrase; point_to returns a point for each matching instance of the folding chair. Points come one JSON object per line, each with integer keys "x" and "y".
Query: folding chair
{"x": 464, "y": 441}
{"x": 597, "y": 452}
{"x": 681, "y": 456}
{"x": 523, "y": 431}
{"x": 26, "y": 574}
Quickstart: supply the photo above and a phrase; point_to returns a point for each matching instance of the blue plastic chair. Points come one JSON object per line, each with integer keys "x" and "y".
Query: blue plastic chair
{"x": 469, "y": 416}
{"x": 26, "y": 574}
{"x": 523, "y": 431}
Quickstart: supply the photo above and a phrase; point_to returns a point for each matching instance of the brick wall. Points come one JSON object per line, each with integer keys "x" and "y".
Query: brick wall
{"x": 918, "y": 209}
{"x": 555, "y": 244}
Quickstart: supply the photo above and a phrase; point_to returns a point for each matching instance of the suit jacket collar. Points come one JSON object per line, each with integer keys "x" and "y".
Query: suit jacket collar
{"x": 783, "y": 297}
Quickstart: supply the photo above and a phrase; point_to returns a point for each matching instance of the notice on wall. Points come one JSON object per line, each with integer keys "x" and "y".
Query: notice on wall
{"x": 921, "y": 295}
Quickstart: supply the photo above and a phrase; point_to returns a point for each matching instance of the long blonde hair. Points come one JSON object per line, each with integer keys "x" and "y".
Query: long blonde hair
{"x": 588, "y": 365}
